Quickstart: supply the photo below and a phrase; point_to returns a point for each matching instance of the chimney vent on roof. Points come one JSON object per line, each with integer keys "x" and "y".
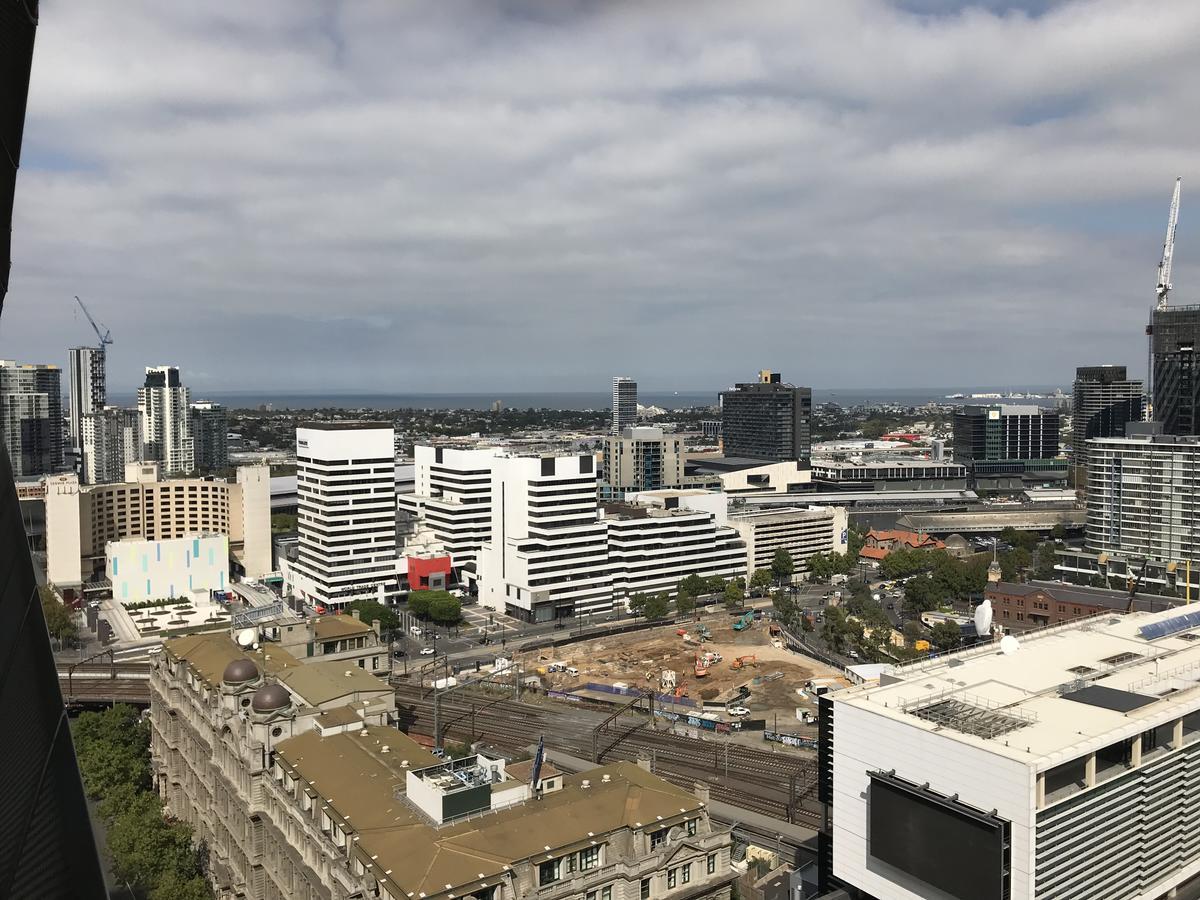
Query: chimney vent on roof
{"x": 384, "y": 749}
{"x": 606, "y": 779}
{"x": 585, "y": 784}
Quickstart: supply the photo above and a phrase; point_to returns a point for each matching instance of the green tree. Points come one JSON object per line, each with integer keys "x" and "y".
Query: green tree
{"x": 734, "y": 595}
{"x": 821, "y": 566}
{"x": 782, "y": 565}
{"x": 283, "y": 523}
{"x": 174, "y": 885}
{"x": 922, "y": 594}
{"x": 714, "y": 584}
{"x": 113, "y": 748}
{"x": 658, "y": 606}
{"x": 1045, "y": 562}
{"x": 445, "y": 609}
{"x": 835, "y": 630}
{"x": 946, "y": 635}
{"x": 419, "y": 603}
{"x": 637, "y": 605}
{"x": 144, "y": 847}
{"x": 693, "y": 586}
{"x": 1014, "y": 562}
{"x": 1059, "y": 532}
{"x": 912, "y": 632}
{"x": 60, "y": 619}
{"x": 685, "y": 604}
{"x": 369, "y": 611}
{"x": 854, "y": 544}
{"x": 1024, "y": 539}
{"x": 760, "y": 580}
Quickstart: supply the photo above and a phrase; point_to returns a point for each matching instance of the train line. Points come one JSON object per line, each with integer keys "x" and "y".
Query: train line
{"x": 772, "y": 784}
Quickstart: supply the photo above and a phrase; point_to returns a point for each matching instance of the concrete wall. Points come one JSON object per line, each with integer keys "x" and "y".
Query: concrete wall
{"x": 63, "y": 530}
{"x": 254, "y": 523}
{"x": 146, "y": 570}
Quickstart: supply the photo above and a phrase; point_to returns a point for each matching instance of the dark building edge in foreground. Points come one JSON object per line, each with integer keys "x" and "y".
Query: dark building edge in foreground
{"x": 47, "y": 849}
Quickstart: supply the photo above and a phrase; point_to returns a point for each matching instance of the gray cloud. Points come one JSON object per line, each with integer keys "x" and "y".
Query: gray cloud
{"x": 452, "y": 195}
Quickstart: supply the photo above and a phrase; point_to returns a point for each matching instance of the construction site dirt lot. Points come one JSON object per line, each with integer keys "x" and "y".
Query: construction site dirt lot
{"x": 772, "y": 673}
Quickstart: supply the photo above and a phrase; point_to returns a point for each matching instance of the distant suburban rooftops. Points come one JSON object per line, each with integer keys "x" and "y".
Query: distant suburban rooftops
{"x": 1026, "y": 704}
{"x": 345, "y": 426}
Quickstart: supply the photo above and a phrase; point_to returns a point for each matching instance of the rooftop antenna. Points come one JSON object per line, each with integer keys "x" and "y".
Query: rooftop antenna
{"x": 106, "y": 337}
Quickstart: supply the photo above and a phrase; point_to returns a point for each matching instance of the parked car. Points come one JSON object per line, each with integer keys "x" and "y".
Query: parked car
{"x": 428, "y": 651}
{"x": 415, "y": 629}
{"x": 738, "y": 711}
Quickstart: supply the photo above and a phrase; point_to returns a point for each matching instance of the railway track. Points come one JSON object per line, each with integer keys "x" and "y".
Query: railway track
{"x": 773, "y": 784}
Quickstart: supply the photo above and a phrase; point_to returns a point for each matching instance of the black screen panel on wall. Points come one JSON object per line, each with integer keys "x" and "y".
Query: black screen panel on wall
{"x": 946, "y": 844}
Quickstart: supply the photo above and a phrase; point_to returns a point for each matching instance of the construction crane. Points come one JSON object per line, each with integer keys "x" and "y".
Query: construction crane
{"x": 106, "y": 337}
{"x": 1163, "y": 289}
{"x": 1134, "y": 584}
{"x": 1162, "y": 292}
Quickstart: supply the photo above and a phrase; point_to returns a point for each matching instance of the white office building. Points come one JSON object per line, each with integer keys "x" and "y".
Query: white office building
{"x": 1143, "y": 497}
{"x": 801, "y": 531}
{"x": 547, "y": 555}
{"x": 1062, "y": 767}
{"x": 624, "y": 404}
{"x": 110, "y": 439}
{"x": 651, "y": 548}
{"x": 346, "y": 511}
{"x": 166, "y": 420}
{"x": 88, "y": 388}
{"x": 452, "y": 497}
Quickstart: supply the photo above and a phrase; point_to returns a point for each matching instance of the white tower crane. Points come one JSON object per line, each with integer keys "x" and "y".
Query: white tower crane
{"x": 106, "y": 337}
{"x": 1163, "y": 289}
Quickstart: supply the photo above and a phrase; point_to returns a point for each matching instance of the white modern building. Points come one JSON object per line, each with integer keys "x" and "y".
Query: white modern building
{"x": 1143, "y": 497}
{"x": 110, "y": 438}
{"x": 88, "y": 388}
{"x": 624, "y": 404}
{"x": 180, "y": 567}
{"x": 346, "y": 512}
{"x": 452, "y": 497}
{"x": 83, "y": 520}
{"x": 547, "y": 554}
{"x": 166, "y": 420}
{"x": 1064, "y": 766}
{"x": 801, "y": 531}
{"x": 651, "y": 548}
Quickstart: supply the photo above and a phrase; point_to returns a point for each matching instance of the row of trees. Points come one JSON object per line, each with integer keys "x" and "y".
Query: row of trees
{"x": 60, "y": 618}
{"x": 440, "y": 606}
{"x": 152, "y": 853}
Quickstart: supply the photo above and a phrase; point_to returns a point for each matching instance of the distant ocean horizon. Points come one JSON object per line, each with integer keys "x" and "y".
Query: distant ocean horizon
{"x": 574, "y": 400}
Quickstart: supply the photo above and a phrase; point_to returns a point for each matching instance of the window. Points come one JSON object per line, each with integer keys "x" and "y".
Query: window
{"x": 672, "y": 878}
{"x": 606, "y": 892}
{"x": 589, "y": 858}
{"x": 644, "y": 894}
{"x": 691, "y": 827}
{"x": 712, "y": 863}
{"x": 591, "y": 895}
{"x": 549, "y": 872}
{"x": 658, "y": 838}
{"x": 687, "y": 873}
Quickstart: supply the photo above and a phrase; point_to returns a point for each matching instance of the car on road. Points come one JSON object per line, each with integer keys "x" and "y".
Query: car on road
{"x": 415, "y": 629}
{"x": 738, "y": 711}
{"x": 428, "y": 651}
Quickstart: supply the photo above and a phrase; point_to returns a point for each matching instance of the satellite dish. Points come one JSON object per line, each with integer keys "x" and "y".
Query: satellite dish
{"x": 983, "y": 618}
{"x": 247, "y": 636}
{"x": 1009, "y": 645}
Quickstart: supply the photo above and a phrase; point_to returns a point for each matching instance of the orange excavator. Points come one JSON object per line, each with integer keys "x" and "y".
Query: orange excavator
{"x": 743, "y": 661}
{"x": 701, "y": 668}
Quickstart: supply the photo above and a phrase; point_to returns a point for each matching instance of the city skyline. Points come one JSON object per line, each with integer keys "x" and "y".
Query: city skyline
{"x": 364, "y": 193}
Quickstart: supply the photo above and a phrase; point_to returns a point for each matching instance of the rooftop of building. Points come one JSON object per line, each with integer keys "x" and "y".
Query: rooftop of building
{"x": 346, "y": 426}
{"x": 339, "y": 716}
{"x": 208, "y": 653}
{"x": 523, "y": 771}
{"x": 906, "y": 463}
{"x": 778, "y": 514}
{"x": 1081, "y": 595}
{"x": 629, "y": 511}
{"x": 318, "y": 683}
{"x": 720, "y": 464}
{"x": 1058, "y": 694}
{"x": 1190, "y": 441}
{"x": 361, "y": 783}
{"x": 329, "y": 628}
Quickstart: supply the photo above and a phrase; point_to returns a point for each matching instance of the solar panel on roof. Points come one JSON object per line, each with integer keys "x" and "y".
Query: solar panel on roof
{"x": 1166, "y": 627}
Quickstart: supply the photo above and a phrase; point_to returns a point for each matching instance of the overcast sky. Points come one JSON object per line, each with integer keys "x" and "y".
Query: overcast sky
{"x": 458, "y": 196}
